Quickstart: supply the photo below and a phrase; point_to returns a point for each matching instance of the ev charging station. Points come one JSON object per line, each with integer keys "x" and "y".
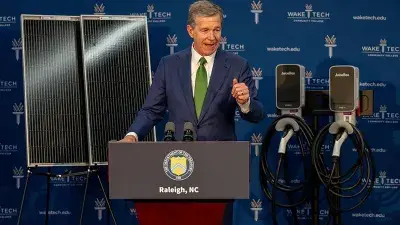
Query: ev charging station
{"x": 344, "y": 92}
{"x": 290, "y": 99}
{"x": 290, "y": 88}
{"x": 344, "y": 101}
{"x": 293, "y": 101}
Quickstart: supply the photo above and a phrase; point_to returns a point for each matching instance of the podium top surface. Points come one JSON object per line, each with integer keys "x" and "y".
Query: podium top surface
{"x": 179, "y": 170}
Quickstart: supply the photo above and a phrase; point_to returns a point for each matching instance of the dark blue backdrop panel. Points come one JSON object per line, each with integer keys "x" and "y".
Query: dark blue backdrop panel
{"x": 314, "y": 34}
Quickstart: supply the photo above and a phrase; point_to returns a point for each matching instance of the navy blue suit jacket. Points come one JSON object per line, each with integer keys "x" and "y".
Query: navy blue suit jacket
{"x": 172, "y": 89}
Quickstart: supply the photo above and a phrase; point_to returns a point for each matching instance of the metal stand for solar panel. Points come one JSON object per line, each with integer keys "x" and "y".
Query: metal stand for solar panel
{"x": 119, "y": 34}
{"x": 51, "y": 141}
{"x": 41, "y": 150}
{"x": 95, "y": 171}
{"x": 48, "y": 175}
{"x": 91, "y": 170}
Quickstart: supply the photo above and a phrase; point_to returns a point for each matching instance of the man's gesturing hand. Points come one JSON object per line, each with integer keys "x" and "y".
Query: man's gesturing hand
{"x": 240, "y": 92}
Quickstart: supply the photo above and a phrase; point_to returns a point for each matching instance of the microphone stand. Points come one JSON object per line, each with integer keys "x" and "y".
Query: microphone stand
{"x": 169, "y": 132}
{"x": 188, "y": 132}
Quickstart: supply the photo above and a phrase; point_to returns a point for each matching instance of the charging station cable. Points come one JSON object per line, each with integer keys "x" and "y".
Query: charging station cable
{"x": 331, "y": 178}
{"x": 290, "y": 125}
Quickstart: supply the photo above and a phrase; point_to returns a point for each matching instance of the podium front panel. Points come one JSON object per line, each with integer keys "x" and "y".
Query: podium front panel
{"x": 179, "y": 170}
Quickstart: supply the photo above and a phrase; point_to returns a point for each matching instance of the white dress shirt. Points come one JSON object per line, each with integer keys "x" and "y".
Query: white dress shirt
{"x": 245, "y": 108}
{"x": 209, "y": 65}
{"x": 195, "y": 65}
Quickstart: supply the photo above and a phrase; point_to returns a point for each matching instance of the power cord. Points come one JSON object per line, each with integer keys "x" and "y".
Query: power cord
{"x": 334, "y": 183}
{"x": 304, "y": 133}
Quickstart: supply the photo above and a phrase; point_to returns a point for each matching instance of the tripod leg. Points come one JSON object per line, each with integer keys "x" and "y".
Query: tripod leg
{"x": 23, "y": 196}
{"x": 84, "y": 196}
{"x": 106, "y": 198}
{"x": 48, "y": 197}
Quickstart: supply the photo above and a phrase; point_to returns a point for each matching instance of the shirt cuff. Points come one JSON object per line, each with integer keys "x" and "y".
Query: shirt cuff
{"x": 245, "y": 108}
{"x": 134, "y": 134}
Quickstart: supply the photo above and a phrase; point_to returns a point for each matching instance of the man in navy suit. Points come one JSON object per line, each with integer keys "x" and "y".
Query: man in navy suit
{"x": 201, "y": 84}
{"x": 208, "y": 100}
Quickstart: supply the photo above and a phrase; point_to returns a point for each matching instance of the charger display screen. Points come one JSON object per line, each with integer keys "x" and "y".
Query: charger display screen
{"x": 341, "y": 86}
{"x": 288, "y": 84}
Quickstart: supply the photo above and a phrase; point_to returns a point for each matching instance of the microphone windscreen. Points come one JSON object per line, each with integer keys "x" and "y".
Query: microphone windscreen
{"x": 188, "y": 126}
{"x": 170, "y": 126}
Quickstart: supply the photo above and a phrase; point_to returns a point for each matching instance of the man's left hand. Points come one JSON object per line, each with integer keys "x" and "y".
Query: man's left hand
{"x": 240, "y": 92}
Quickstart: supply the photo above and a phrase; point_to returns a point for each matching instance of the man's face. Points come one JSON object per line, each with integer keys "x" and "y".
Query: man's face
{"x": 206, "y": 34}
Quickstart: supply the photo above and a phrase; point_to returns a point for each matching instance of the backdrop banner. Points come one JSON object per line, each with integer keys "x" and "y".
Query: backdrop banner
{"x": 267, "y": 33}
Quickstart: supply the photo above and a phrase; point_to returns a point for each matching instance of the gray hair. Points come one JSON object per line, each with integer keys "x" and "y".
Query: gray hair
{"x": 203, "y": 8}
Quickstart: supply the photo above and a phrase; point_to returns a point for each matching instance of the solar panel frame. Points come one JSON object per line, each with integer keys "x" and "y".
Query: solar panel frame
{"x": 51, "y": 138}
{"x": 152, "y": 135}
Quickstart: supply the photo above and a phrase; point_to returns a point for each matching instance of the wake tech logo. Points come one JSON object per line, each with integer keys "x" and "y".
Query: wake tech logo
{"x": 330, "y": 43}
{"x": 8, "y": 149}
{"x": 234, "y": 48}
{"x": 308, "y": 15}
{"x": 383, "y": 49}
{"x": 315, "y": 83}
{"x": 172, "y": 42}
{"x": 383, "y": 181}
{"x": 18, "y": 174}
{"x": 6, "y": 21}
{"x": 304, "y": 212}
{"x": 383, "y": 116}
{"x": 17, "y": 47}
{"x": 256, "y": 141}
{"x": 256, "y": 207}
{"x": 256, "y": 8}
{"x": 99, "y": 9}
{"x": 133, "y": 212}
{"x": 100, "y": 206}
{"x": 257, "y": 76}
{"x": 7, "y": 213}
{"x": 154, "y": 16}
{"x": 8, "y": 85}
{"x": 157, "y": 17}
{"x": 18, "y": 111}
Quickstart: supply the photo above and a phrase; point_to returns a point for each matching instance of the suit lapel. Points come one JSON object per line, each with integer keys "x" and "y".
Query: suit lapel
{"x": 218, "y": 76}
{"x": 186, "y": 82}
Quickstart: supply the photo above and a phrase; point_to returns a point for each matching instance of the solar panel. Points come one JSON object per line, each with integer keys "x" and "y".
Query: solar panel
{"x": 117, "y": 77}
{"x": 54, "y": 95}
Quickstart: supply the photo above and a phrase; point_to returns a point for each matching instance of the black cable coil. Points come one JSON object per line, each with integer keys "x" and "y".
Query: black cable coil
{"x": 267, "y": 177}
{"x": 334, "y": 184}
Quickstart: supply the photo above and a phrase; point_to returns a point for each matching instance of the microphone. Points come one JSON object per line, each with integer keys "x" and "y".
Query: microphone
{"x": 189, "y": 133}
{"x": 169, "y": 132}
